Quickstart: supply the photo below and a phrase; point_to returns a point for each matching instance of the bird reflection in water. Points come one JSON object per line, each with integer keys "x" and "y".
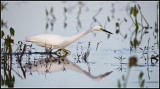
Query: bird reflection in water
{"x": 60, "y": 63}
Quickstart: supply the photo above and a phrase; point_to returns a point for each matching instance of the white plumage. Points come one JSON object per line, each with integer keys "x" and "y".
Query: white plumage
{"x": 49, "y": 40}
{"x": 54, "y": 41}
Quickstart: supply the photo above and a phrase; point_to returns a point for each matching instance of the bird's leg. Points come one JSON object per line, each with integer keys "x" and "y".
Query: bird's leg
{"x": 48, "y": 51}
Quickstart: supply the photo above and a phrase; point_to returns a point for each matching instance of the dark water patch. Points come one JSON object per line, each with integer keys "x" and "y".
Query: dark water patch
{"x": 141, "y": 65}
{"x": 2, "y": 54}
{"x": 147, "y": 82}
{"x": 118, "y": 64}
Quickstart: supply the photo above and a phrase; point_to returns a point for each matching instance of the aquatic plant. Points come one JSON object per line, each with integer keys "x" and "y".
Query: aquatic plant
{"x": 7, "y": 78}
{"x": 132, "y": 62}
{"x": 139, "y": 26}
{"x": 50, "y": 18}
{"x": 118, "y": 28}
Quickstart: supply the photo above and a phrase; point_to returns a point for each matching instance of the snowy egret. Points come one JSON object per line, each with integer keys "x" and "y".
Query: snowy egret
{"x": 54, "y": 41}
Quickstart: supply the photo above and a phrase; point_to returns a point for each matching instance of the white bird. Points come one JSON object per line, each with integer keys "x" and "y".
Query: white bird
{"x": 54, "y": 41}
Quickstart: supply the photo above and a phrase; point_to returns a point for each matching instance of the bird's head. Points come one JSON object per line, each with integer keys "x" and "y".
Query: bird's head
{"x": 98, "y": 28}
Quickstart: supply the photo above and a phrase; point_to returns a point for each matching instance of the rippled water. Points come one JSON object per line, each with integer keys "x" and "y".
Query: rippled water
{"x": 105, "y": 54}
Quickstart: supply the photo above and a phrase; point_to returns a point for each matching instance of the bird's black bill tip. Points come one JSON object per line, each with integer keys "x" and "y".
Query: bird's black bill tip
{"x": 107, "y": 31}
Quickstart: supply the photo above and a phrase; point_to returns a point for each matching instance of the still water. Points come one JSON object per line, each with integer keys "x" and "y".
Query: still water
{"x": 95, "y": 60}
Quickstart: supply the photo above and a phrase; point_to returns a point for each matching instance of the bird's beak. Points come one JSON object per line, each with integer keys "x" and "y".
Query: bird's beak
{"x": 106, "y": 31}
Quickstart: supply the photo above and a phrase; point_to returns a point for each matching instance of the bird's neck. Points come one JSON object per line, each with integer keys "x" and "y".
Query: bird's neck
{"x": 78, "y": 36}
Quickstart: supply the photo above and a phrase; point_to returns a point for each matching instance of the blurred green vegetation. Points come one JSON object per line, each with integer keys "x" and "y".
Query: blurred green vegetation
{"x": 50, "y": 18}
{"x": 132, "y": 62}
{"x": 6, "y": 60}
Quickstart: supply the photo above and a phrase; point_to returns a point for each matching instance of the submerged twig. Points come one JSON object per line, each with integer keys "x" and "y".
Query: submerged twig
{"x": 97, "y": 45}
